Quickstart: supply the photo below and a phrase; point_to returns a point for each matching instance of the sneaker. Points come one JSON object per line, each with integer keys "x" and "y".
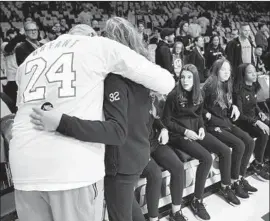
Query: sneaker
{"x": 247, "y": 186}
{"x": 178, "y": 216}
{"x": 229, "y": 196}
{"x": 266, "y": 167}
{"x": 239, "y": 190}
{"x": 261, "y": 172}
{"x": 199, "y": 210}
{"x": 254, "y": 167}
{"x": 264, "y": 174}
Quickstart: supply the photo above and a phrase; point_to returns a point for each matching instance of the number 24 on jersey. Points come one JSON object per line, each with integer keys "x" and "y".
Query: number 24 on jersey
{"x": 60, "y": 71}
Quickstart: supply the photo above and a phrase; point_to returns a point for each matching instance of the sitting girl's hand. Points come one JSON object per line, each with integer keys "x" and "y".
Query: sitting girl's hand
{"x": 191, "y": 135}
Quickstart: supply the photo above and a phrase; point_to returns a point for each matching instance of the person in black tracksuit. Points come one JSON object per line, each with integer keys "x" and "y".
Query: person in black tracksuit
{"x": 183, "y": 116}
{"x": 125, "y": 133}
{"x": 252, "y": 119}
{"x": 196, "y": 57}
{"x": 164, "y": 156}
{"x": 220, "y": 110}
{"x": 214, "y": 51}
{"x": 163, "y": 55}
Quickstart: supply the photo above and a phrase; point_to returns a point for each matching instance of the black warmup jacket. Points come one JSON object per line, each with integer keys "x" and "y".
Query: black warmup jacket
{"x": 212, "y": 54}
{"x": 23, "y": 50}
{"x": 164, "y": 57}
{"x": 125, "y": 131}
{"x": 246, "y": 101}
{"x": 179, "y": 117}
{"x": 198, "y": 60}
{"x": 219, "y": 117}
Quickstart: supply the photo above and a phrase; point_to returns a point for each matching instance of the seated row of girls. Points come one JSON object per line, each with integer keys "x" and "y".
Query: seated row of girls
{"x": 184, "y": 110}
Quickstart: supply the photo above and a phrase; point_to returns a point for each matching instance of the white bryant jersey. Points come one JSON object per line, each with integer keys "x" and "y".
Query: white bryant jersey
{"x": 69, "y": 73}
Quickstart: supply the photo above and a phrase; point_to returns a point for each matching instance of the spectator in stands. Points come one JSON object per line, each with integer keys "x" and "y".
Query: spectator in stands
{"x": 142, "y": 35}
{"x": 30, "y": 44}
{"x": 155, "y": 36}
{"x": 221, "y": 112}
{"x": 174, "y": 20}
{"x": 85, "y": 16}
{"x": 252, "y": 119}
{"x": 196, "y": 57}
{"x": 64, "y": 26}
{"x": 182, "y": 34}
{"x": 57, "y": 29}
{"x": 163, "y": 53}
{"x": 261, "y": 38}
{"x": 50, "y": 36}
{"x": 234, "y": 33}
{"x": 178, "y": 56}
{"x": 164, "y": 156}
{"x": 240, "y": 50}
{"x": 94, "y": 24}
{"x": 183, "y": 116}
{"x": 259, "y": 64}
{"x": 14, "y": 38}
{"x": 213, "y": 52}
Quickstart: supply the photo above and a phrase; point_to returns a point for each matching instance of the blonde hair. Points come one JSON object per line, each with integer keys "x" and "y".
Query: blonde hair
{"x": 122, "y": 31}
{"x": 82, "y": 29}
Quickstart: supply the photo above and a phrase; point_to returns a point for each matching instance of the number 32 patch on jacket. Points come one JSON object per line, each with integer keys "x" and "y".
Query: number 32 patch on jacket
{"x": 114, "y": 96}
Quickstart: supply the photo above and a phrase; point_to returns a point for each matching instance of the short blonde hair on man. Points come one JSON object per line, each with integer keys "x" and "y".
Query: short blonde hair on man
{"x": 82, "y": 29}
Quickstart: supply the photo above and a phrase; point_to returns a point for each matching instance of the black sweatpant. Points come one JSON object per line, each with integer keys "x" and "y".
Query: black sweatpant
{"x": 261, "y": 142}
{"x": 165, "y": 157}
{"x": 11, "y": 89}
{"x": 242, "y": 147}
{"x": 119, "y": 197}
{"x": 200, "y": 150}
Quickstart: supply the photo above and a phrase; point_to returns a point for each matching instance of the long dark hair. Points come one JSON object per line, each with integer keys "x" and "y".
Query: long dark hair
{"x": 196, "y": 91}
{"x": 221, "y": 91}
{"x": 182, "y": 50}
{"x": 211, "y": 45}
{"x": 239, "y": 80}
{"x": 181, "y": 25}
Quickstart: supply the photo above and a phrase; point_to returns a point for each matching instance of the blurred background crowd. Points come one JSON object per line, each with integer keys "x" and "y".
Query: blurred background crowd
{"x": 195, "y": 32}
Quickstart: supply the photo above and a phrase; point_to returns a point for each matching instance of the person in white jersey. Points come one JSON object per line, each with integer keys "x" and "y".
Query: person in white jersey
{"x": 68, "y": 74}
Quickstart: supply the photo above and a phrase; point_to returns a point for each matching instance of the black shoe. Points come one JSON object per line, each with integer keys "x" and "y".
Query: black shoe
{"x": 264, "y": 174}
{"x": 239, "y": 190}
{"x": 247, "y": 186}
{"x": 254, "y": 167}
{"x": 260, "y": 171}
{"x": 229, "y": 195}
{"x": 178, "y": 216}
{"x": 266, "y": 167}
{"x": 199, "y": 210}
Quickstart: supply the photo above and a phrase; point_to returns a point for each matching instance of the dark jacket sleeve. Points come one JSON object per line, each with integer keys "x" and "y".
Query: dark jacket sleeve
{"x": 113, "y": 131}
{"x": 12, "y": 44}
{"x": 201, "y": 112}
{"x": 165, "y": 54}
{"x": 230, "y": 51}
{"x": 192, "y": 58}
{"x": 157, "y": 124}
{"x": 21, "y": 54}
{"x": 167, "y": 115}
{"x": 209, "y": 104}
{"x": 258, "y": 109}
{"x": 243, "y": 117}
